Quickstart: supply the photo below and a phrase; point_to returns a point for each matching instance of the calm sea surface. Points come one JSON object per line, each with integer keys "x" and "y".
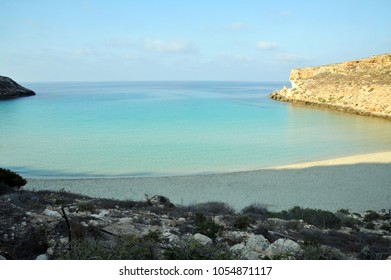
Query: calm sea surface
{"x": 171, "y": 128}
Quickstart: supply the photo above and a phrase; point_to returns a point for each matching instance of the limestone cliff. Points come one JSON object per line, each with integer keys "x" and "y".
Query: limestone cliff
{"x": 10, "y": 89}
{"x": 359, "y": 86}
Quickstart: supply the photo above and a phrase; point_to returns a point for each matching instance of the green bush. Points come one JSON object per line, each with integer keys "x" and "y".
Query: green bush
{"x": 255, "y": 210}
{"x": 129, "y": 247}
{"x": 206, "y": 226}
{"x": 371, "y": 216}
{"x": 213, "y": 208}
{"x": 10, "y": 180}
{"x": 86, "y": 206}
{"x": 243, "y": 222}
{"x": 193, "y": 250}
{"x": 316, "y": 251}
{"x": 316, "y": 217}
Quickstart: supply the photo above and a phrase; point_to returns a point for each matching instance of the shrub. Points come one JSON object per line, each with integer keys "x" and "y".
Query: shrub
{"x": 256, "y": 210}
{"x": 86, "y": 206}
{"x": 206, "y": 226}
{"x": 243, "y": 221}
{"x": 316, "y": 217}
{"x": 386, "y": 227}
{"x": 193, "y": 250}
{"x": 128, "y": 247}
{"x": 315, "y": 251}
{"x": 215, "y": 208}
{"x": 10, "y": 179}
{"x": 371, "y": 216}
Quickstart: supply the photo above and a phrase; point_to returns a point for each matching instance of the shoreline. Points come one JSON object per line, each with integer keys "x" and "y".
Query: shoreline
{"x": 376, "y": 157}
{"x": 373, "y": 157}
{"x": 358, "y": 183}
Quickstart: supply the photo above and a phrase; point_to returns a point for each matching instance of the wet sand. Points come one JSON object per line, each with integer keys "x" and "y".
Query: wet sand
{"x": 357, "y": 183}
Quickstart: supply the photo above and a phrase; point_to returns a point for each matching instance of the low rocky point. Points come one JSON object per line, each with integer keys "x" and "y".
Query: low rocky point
{"x": 11, "y": 89}
{"x": 360, "y": 86}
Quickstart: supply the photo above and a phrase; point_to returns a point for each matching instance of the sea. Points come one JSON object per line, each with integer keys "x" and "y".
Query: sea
{"x": 141, "y": 129}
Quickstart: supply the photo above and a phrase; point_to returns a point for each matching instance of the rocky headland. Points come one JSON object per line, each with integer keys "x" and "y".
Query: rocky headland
{"x": 11, "y": 89}
{"x": 360, "y": 86}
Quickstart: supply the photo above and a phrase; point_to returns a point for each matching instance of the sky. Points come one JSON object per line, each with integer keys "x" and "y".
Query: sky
{"x": 214, "y": 40}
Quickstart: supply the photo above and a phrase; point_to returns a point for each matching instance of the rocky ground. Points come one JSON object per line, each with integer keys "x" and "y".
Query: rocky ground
{"x": 62, "y": 225}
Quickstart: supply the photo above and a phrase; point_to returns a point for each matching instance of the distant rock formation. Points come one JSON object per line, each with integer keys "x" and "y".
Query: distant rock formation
{"x": 10, "y": 89}
{"x": 360, "y": 86}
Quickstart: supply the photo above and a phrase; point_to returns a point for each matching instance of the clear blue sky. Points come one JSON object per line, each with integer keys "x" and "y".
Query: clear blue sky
{"x": 256, "y": 40}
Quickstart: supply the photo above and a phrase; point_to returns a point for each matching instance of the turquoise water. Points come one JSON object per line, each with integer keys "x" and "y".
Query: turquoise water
{"x": 171, "y": 128}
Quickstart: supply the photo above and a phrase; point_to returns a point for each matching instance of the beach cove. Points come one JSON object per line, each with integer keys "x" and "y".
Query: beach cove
{"x": 357, "y": 183}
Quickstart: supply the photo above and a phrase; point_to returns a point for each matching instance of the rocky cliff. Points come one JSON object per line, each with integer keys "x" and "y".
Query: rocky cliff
{"x": 360, "y": 86}
{"x": 10, "y": 89}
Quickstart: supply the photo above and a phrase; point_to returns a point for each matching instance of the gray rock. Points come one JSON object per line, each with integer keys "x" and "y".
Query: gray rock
{"x": 42, "y": 257}
{"x": 10, "y": 89}
{"x": 101, "y": 214}
{"x": 204, "y": 240}
{"x": 250, "y": 255}
{"x": 282, "y": 247}
{"x": 238, "y": 248}
{"x": 257, "y": 243}
{"x": 171, "y": 238}
{"x": 51, "y": 213}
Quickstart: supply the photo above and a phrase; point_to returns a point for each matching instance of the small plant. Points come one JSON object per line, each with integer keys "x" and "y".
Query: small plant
{"x": 256, "y": 210}
{"x": 86, "y": 207}
{"x": 371, "y": 216}
{"x": 129, "y": 247}
{"x": 316, "y": 251}
{"x": 370, "y": 225}
{"x": 243, "y": 221}
{"x": 191, "y": 249}
{"x": 215, "y": 208}
{"x": 344, "y": 211}
{"x": 206, "y": 226}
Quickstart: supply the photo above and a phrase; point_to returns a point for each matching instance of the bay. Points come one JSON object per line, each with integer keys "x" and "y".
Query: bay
{"x": 122, "y": 129}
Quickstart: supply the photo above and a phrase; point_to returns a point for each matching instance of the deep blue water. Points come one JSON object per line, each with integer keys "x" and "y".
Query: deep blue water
{"x": 169, "y": 128}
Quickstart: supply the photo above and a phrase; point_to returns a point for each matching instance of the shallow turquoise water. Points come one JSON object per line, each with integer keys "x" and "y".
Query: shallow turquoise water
{"x": 170, "y": 128}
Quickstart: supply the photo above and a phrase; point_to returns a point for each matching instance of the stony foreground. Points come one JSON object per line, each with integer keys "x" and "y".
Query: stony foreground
{"x": 61, "y": 225}
{"x": 360, "y": 86}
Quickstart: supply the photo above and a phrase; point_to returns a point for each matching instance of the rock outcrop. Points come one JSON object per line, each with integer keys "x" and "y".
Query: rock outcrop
{"x": 11, "y": 89}
{"x": 360, "y": 86}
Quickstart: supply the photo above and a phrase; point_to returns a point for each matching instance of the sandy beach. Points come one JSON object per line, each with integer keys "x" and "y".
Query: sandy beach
{"x": 380, "y": 157}
{"x": 357, "y": 183}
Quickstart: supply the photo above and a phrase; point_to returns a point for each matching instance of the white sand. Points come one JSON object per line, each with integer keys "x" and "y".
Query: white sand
{"x": 357, "y": 183}
{"x": 380, "y": 157}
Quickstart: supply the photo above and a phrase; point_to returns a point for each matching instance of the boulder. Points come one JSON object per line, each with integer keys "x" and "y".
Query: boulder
{"x": 282, "y": 247}
{"x": 204, "y": 240}
{"x": 257, "y": 243}
{"x": 42, "y": 257}
{"x": 10, "y": 89}
{"x": 51, "y": 213}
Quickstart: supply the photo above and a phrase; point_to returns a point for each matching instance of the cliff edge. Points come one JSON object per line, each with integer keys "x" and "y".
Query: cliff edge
{"x": 360, "y": 86}
{"x": 11, "y": 89}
